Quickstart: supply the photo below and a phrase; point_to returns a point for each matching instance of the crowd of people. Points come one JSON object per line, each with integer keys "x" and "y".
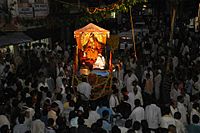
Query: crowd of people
{"x": 156, "y": 92}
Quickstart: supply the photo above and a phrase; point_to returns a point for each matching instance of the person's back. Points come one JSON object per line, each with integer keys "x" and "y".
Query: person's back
{"x": 37, "y": 125}
{"x": 21, "y": 127}
{"x": 84, "y": 89}
{"x": 138, "y": 113}
{"x": 153, "y": 116}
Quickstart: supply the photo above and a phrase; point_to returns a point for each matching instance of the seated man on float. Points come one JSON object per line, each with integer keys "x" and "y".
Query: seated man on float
{"x": 100, "y": 62}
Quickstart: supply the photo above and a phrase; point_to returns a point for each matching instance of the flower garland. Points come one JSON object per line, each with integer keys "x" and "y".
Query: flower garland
{"x": 119, "y": 6}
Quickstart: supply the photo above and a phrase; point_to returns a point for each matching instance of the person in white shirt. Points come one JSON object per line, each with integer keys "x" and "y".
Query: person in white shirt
{"x": 138, "y": 112}
{"x": 100, "y": 62}
{"x": 93, "y": 115}
{"x": 167, "y": 119}
{"x": 186, "y": 49}
{"x": 21, "y": 127}
{"x": 180, "y": 128}
{"x": 153, "y": 115}
{"x": 4, "y": 121}
{"x": 175, "y": 92}
{"x": 118, "y": 83}
{"x": 59, "y": 84}
{"x": 157, "y": 83}
{"x": 186, "y": 102}
{"x": 129, "y": 78}
{"x": 42, "y": 83}
{"x": 59, "y": 102}
{"x": 133, "y": 96}
{"x": 37, "y": 126}
{"x": 182, "y": 109}
{"x": 145, "y": 73}
{"x": 114, "y": 101}
{"x": 195, "y": 108}
{"x": 84, "y": 88}
{"x": 195, "y": 86}
{"x": 173, "y": 107}
{"x": 135, "y": 84}
{"x": 175, "y": 62}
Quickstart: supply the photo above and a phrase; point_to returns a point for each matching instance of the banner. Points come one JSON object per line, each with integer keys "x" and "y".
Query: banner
{"x": 25, "y": 12}
{"x": 41, "y": 10}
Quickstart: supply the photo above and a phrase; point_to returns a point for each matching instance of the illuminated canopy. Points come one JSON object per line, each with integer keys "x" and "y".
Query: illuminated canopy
{"x": 84, "y": 34}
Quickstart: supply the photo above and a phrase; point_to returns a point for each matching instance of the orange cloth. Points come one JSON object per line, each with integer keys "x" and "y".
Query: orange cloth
{"x": 149, "y": 86}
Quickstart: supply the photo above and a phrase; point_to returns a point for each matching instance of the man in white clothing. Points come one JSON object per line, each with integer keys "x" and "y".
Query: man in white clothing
{"x": 175, "y": 92}
{"x": 37, "y": 126}
{"x": 138, "y": 112}
{"x": 114, "y": 101}
{"x": 182, "y": 109}
{"x": 167, "y": 119}
{"x": 93, "y": 116}
{"x": 133, "y": 96}
{"x": 180, "y": 128}
{"x": 175, "y": 62}
{"x": 129, "y": 78}
{"x": 21, "y": 127}
{"x": 4, "y": 121}
{"x": 84, "y": 88}
{"x": 100, "y": 62}
{"x": 153, "y": 115}
{"x": 157, "y": 83}
{"x": 59, "y": 102}
{"x": 135, "y": 84}
{"x": 145, "y": 73}
{"x": 59, "y": 83}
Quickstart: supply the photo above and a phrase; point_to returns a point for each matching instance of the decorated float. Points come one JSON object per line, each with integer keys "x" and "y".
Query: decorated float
{"x": 93, "y": 60}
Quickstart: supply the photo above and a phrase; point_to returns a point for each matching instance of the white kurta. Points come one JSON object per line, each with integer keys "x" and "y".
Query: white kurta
{"x": 173, "y": 110}
{"x": 113, "y": 102}
{"x": 4, "y": 121}
{"x": 175, "y": 62}
{"x": 153, "y": 116}
{"x": 93, "y": 117}
{"x": 129, "y": 79}
{"x": 37, "y": 126}
{"x": 174, "y": 94}
{"x": 133, "y": 97}
{"x": 20, "y": 128}
{"x": 157, "y": 82}
{"x": 167, "y": 120}
{"x": 137, "y": 114}
{"x": 181, "y": 108}
{"x": 144, "y": 75}
{"x": 100, "y": 63}
{"x": 180, "y": 128}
